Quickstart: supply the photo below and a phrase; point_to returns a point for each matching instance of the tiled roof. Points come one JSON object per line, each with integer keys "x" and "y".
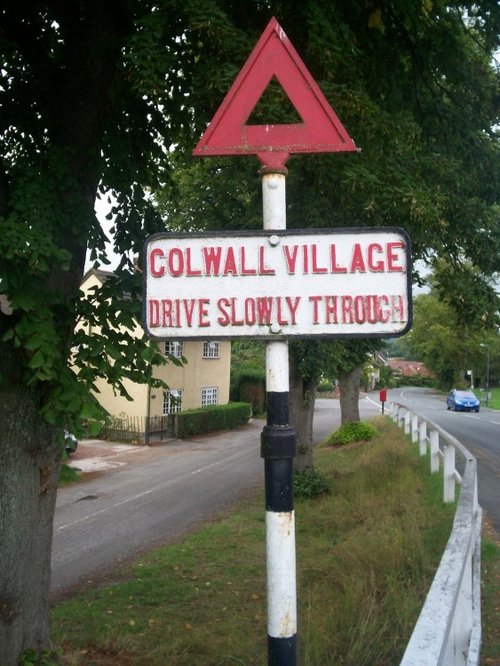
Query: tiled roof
{"x": 409, "y": 368}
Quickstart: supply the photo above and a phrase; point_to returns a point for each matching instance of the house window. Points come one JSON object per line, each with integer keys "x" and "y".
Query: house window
{"x": 173, "y": 347}
{"x": 209, "y": 396}
{"x": 172, "y": 401}
{"x": 211, "y": 349}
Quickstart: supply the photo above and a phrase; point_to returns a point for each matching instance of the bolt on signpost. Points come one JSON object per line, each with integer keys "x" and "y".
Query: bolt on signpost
{"x": 296, "y": 285}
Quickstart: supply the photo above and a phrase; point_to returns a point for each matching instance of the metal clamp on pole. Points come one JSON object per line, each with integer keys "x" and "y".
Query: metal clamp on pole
{"x": 278, "y": 451}
{"x": 277, "y": 442}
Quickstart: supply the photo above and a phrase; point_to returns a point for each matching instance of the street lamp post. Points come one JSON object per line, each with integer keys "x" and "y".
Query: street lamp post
{"x": 483, "y": 344}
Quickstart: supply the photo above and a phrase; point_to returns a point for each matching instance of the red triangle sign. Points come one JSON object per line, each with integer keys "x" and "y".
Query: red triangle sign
{"x": 320, "y": 132}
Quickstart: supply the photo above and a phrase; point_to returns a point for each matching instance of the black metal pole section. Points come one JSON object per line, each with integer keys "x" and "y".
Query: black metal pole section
{"x": 278, "y": 450}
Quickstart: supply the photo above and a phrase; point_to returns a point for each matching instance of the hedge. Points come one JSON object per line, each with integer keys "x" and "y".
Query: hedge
{"x": 215, "y": 417}
{"x": 249, "y": 385}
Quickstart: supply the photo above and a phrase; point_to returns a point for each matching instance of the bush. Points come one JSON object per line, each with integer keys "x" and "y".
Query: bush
{"x": 68, "y": 474}
{"x": 307, "y": 483}
{"x": 208, "y": 419}
{"x": 325, "y": 385}
{"x": 352, "y": 432}
{"x": 413, "y": 381}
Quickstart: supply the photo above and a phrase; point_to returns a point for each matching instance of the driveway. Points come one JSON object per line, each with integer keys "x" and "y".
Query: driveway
{"x": 95, "y": 455}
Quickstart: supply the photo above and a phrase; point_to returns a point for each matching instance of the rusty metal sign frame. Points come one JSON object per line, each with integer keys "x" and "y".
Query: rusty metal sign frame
{"x": 320, "y": 132}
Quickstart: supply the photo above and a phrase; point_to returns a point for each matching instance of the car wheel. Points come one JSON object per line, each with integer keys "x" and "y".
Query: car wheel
{"x": 477, "y": 410}
{"x": 455, "y": 408}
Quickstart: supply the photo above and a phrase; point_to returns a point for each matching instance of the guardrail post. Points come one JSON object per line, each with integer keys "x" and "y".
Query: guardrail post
{"x": 407, "y": 422}
{"x": 422, "y": 434}
{"x": 449, "y": 474}
{"x": 414, "y": 428}
{"x": 401, "y": 417}
{"x": 434, "y": 447}
{"x": 395, "y": 413}
{"x": 475, "y": 500}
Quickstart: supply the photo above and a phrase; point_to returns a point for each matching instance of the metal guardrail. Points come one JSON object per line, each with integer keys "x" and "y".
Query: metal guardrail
{"x": 448, "y": 630}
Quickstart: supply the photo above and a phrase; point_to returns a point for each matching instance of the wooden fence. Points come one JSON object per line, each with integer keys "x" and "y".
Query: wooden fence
{"x": 140, "y": 429}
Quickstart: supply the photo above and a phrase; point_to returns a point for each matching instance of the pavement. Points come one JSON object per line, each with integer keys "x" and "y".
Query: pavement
{"x": 96, "y": 455}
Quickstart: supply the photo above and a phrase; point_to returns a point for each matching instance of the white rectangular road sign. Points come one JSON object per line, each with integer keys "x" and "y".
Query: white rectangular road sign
{"x": 282, "y": 284}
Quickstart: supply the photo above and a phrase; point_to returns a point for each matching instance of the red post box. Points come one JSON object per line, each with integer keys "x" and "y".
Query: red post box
{"x": 383, "y": 395}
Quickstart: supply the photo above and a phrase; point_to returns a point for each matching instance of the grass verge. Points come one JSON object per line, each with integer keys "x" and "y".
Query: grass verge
{"x": 490, "y": 591}
{"x": 366, "y": 554}
{"x": 494, "y": 402}
{"x": 68, "y": 474}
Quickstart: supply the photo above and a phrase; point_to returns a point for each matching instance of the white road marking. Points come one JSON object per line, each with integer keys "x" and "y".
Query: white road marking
{"x": 374, "y": 402}
{"x": 108, "y": 508}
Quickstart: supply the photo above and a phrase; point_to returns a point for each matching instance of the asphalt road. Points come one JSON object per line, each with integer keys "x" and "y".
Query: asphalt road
{"x": 157, "y": 494}
{"x": 479, "y": 433}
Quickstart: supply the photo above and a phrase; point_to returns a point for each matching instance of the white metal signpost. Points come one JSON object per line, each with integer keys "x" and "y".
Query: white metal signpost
{"x": 277, "y": 285}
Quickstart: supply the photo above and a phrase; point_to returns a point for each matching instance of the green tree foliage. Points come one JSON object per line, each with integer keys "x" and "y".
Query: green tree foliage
{"x": 91, "y": 96}
{"x": 80, "y": 116}
{"x": 448, "y": 346}
{"x": 454, "y": 323}
{"x": 248, "y": 373}
{"x": 470, "y": 294}
{"x": 416, "y": 87}
{"x": 309, "y": 362}
{"x": 318, "y": 358}
{"x": 436, "y": 339}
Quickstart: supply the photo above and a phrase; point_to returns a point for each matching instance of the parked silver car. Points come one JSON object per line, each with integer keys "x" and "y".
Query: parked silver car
{"x": 70, "y": 442}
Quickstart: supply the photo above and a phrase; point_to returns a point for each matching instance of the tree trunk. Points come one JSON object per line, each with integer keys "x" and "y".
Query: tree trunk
{"x": 301, "y": 405}
{"x": 29, "y": 470}
{"x": 349, "y": 395}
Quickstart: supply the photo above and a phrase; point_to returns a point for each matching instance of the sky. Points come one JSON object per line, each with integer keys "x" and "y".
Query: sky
{"x": 102, "y": 208}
